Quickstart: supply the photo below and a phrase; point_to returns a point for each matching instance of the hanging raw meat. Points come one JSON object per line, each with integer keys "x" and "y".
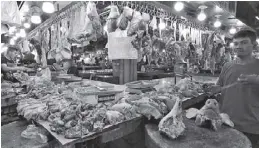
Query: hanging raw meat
{"x": 135, "y": 23}
{"x": 179, "y": 50}
{"x": 153, "y": 23}
{"x": 167, "y": 34}
{"x": 81, "y": 28}
{"x": 10, "y": 13}
{"x": 146, "y": 17}
{"x": 112, "y": 19}
{"x": 75, "y": 25}
{"x": 174, "y": 26}
{"x": 71, "y": 26}
{"x": 45, "y": 40}
{"x": 64, "y": 34}
{"x": 86, "y": 32}
{"x": 25, "y": 46}
{"x": 95, "y": 19}
{"x": 123, "y": 20}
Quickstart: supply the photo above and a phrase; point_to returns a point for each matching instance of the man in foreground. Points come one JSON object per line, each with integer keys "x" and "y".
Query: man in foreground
{"x": 241, "y": 101}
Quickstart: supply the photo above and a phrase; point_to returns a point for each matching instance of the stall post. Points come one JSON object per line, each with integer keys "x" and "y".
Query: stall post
{"x": 123, "y": 55}
{"x": 125, "y": 69}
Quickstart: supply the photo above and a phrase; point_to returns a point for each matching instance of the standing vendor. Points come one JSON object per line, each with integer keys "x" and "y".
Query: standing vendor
{"x": 241, "y": 101}
{"x": 8, "y": 65}
{"x": 70, "y": 67}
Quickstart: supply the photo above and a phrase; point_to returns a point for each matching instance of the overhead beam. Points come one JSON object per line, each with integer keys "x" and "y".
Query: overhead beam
{"x": 55, "y": 18}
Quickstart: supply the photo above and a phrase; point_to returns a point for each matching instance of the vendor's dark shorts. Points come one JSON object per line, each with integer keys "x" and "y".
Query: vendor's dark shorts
{"x": 254, "y": 139}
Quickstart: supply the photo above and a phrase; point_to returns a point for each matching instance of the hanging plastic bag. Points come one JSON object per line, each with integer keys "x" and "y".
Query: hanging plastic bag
{"x": 112, "y": 19}
{"x": 123, "y": 20}
{"x": 135, "y": 23}
{"x": 35, "y": 133}
{"x": 120, "y": 47}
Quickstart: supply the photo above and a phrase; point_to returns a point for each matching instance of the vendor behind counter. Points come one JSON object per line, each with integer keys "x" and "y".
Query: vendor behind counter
{"x": 9, "y": 65}
{"x": 70, "y": 66}
{"x": 66, "y": 65}
{"x": 28, "y": 58}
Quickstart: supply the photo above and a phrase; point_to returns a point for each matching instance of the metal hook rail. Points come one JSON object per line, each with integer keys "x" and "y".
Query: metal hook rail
{"x": 144, "y": 7}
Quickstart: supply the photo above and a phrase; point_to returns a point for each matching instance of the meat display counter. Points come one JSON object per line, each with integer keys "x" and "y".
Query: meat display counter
{"x": 117, "y": 130}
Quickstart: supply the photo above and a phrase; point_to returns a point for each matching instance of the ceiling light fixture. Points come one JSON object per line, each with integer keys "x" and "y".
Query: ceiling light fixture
{"x": 18, "y": 34}
{"x": 12, "y": 42}
{"x": 48, "y": 7}
{"x": 35, "y": 15}
{"x": 217, "y": 23}
{"x": 12, "y": 30}
{"x": 35, "y": 18}
{"x": 15, "y": 38}
{"x": 27, "y": 25}
{"x": 232, "y": 30}
{"x": 218, "y": 9}
{"x": 162, "y": 24}
{"x": 202, "y": 16}
{"x": 257, "y": 40}
{"x": 178, "y": 6}
{"x": 231, "y": 44}
{"x": 239, "y": 23}
{"x": 257, "y": 17}
{"x": 22, "y": 33}
{"x": 3, "y": 49}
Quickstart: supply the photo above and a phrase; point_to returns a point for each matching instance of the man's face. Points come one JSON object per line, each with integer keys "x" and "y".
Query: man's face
{"x": 243, "y": 46}
{"x": 12, "y": 54}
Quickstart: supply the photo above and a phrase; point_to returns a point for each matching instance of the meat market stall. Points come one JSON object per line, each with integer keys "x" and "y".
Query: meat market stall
{"x": 143, "y": 39}
{"x": 46, "y": 105}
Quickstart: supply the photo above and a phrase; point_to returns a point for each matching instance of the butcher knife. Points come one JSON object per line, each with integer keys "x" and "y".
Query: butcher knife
{"x": 228, "y": 86}
{"x": 223, "y": 88}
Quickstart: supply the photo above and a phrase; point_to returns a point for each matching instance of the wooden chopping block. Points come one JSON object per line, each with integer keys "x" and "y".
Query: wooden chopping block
{"x": 196, "y": 137}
